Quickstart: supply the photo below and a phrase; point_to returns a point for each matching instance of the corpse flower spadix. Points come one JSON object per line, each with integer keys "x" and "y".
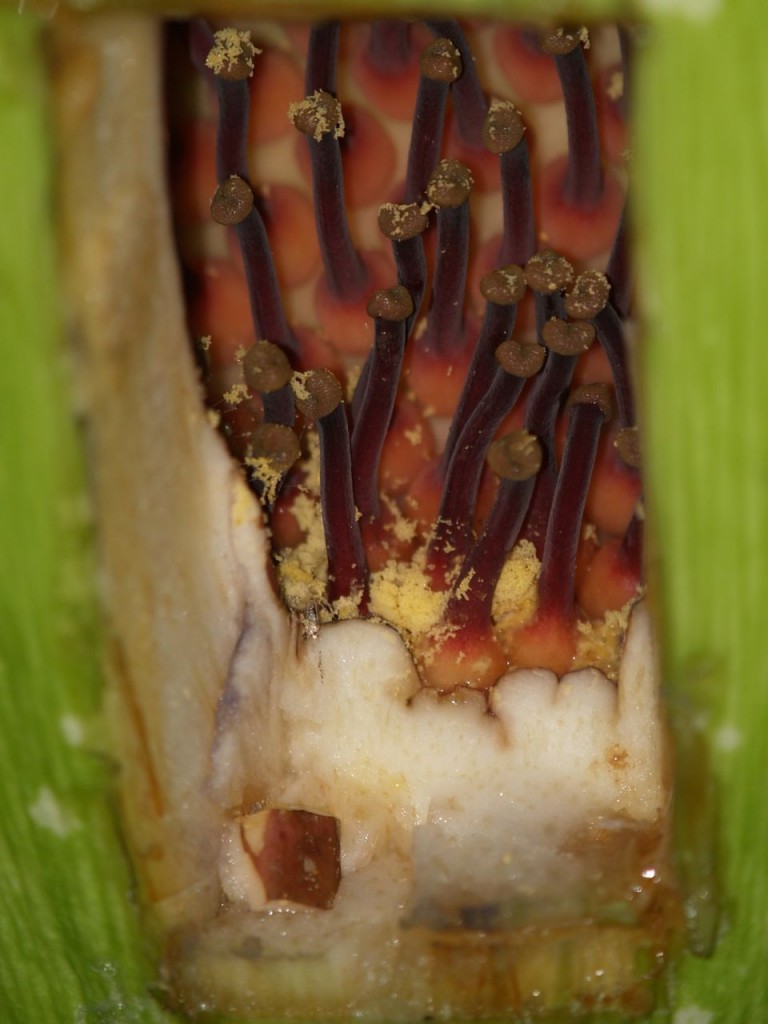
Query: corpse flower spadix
{"x": 106, "y": 981}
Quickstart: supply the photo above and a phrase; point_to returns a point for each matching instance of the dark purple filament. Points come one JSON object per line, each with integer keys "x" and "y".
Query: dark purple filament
{"x": 619, "y": 269}
{"x": 631, "y": 550}
{"x": 453, "y": 530}
{"x": 449, "y": 189}
{"x": 345, "y": 271}
{"x": 469, "y": 100}
{"x": 541, "y": 415}
{"x": 347, "y": 569}
{"x": 319, "y": 119}
{"x": 377, "y": 404}
{"x": 519, "y": 238}
{"x": 233, "y": 100}
{"x": 231, "y": 149}
{"x": 233, "y": 95}
{"x": 584, "y": 179}
{"x": 319, "y": 398}
{"x": 439, "y": 65}
{"x": 404, "y": 225}
{"x": 504, "y": 134}
{"x": 485, "y": 561}
{"x": 610, "y": 334}
{"x": 515, "y": 458}
{"x": 389, "y": 46}
{"x": 558, "y": 564}
{"x": 498, "y": 323}
{"x": 267, "y": 312}
{"x": 322, "y": 57}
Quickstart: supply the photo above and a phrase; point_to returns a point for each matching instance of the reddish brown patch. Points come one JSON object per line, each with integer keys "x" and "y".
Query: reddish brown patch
{"x": 300, "y": 857}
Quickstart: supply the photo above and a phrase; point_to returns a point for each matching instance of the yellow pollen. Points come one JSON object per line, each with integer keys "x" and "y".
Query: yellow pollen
{"x": 516, "y": 596}
{"x": 401, "y": 594}
{"x": 236, "y": 394}
{"x": 231, "y": 46}
{"x": 264, "y": 471}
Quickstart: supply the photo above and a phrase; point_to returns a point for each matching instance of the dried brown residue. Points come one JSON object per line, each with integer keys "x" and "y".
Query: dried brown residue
{"x": 617, "y": 757}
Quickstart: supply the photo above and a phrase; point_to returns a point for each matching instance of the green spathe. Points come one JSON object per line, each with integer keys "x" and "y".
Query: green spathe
{"x": 69, "y": 938}
{"x": 70, "y": 949}
{"x": 702, "y": 220}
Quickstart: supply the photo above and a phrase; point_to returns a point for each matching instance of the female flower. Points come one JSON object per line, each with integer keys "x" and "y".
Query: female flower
{"x": 723, "y": 38}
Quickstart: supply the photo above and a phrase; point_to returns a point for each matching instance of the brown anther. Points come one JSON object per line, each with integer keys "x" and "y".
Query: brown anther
{"x": 393, "y": 304}
{"x": 515, "y": 456}
{"x": 232, "y": 201}
{"x": 589, "y": 295}
{"x": 593, "y": 394}
{"x": 318, "y": 393}
{"x": 565, "y": 338}
{"x": 399, "y": 221}
{"x": 627, "y": 444}
{"x": 503, "y": 128}
{"x": 277, "y": 444}
{"x": 231, "y": 56}
{"x": 560, "y": 41}
{"x": 266, "y": 367}
{"x": 450, "y": 184}
{"x": 440, "y": 61}
{"x": 521, "y": 360}
{"x": 548, "y": 272}
{"x": 504, "y": 286}
{"x": 318, "y": 115}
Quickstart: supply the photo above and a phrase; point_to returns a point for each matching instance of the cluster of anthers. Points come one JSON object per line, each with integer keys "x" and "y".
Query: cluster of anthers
{"x": 451, "y": 447}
